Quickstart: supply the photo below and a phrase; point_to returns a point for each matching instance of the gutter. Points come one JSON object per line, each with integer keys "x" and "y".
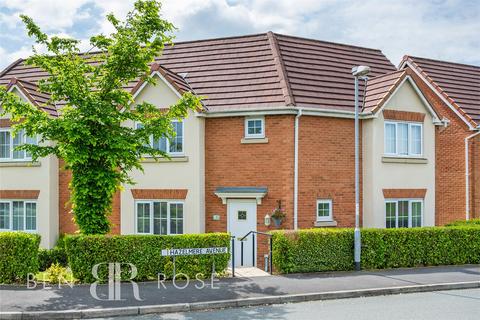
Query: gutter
{"x": 467, "y": 175}
{"x": 283, "y": 110}
{"x": 295, "y": 178}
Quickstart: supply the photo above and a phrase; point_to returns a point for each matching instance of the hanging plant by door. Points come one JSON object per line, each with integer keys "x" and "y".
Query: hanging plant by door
{"x": 278, "y": 214}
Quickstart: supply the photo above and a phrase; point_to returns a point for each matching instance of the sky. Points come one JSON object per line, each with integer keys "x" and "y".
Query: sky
{"x": 439, "y": 29}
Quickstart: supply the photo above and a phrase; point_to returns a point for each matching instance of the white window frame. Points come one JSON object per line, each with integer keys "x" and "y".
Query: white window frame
{"x": 330, "y": 216}
{"x": 410, "y": 201}
{"x": 257, "y": 135}
{"x": 167, "y": 147}
{"x": 410, "y": 141}
{"x": 10, "y": 217}
{"x": 10, "y": 159}
{"x": 169, "y": 202}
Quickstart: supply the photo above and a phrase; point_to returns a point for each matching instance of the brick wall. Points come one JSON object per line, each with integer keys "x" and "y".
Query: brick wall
{"x": 450, "y": 161}
{"x": 65, "y": 217}
{"x": 327, "y": 169}
{"x": 475, "y": 178}
{"x": 230, "y": 163}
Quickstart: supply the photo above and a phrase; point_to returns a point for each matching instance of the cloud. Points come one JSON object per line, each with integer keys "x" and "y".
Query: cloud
{"x": 440, "y": 29}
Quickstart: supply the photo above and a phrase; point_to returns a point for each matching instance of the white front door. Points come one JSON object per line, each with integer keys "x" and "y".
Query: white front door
{"x": 242, "y": 218}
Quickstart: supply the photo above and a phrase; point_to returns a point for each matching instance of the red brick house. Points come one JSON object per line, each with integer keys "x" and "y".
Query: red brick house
{"x": 278, "y": 129}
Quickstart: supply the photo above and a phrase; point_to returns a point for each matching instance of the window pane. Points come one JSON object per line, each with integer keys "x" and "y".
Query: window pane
{"x": 323, "y": 209}
{"x": 160, "y": 144}
{"x": 18, "y": 141}
{"x": 403, "y": 214}
{"x": 30, "y": 140}
{"x": 416, "y": 214}
{"x": 17, "y": 215}
{"x": 164, "y": 217}
{"x": 402, "y": 129}
{"x": 176, "y": 218}
{"x": 30, "y": 216}
{"x": 143, "y": 217}
{"x": 176, "y": 144}
{"x": 160, "y": 218}
{"x": 5, "y": 144}
{"x": 391, "y": 209}
{"x": 4, "y": 215}
{"x": 390, "y": 138}
{"x": 254, "y": 127}
{"x": 416, "y": 136}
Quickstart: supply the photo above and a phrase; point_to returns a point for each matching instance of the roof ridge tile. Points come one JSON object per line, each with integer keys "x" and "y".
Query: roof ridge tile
{"x": 282, "y": 72}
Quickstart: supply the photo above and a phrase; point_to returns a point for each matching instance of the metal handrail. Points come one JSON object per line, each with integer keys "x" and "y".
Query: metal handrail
{"x": 257, "y": 232}
{"x": 270, "y": 240}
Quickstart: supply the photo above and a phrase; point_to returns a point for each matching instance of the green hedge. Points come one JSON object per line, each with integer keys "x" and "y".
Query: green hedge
{"x": 144, "y": 251}
{"x": 18, "y": 256}
{"x": 332, "y": 250}
{"x": 47, "y": 257}
{"x": 312, "y": 250}
{"x": 460, "y": 223}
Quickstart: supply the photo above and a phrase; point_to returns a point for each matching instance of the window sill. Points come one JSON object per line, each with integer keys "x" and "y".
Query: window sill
{"x": 389, "y": 159}
{"x": 253, "y": 140}
{"x": 163, "y": 160}
{"x": 20, "y": 164}
{"x": 325, "y": 223}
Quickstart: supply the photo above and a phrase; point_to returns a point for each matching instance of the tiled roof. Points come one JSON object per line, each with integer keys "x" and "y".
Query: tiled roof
{"x": 32, "y": 93}
{"x": 380, "y": 88}
{"x": 320, "y": 73}
{"x": 263, "y": 70}
{"x": 458, "y": 83}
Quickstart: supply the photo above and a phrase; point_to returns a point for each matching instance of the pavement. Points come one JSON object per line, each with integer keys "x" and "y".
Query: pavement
{"x": 19, "y": 302}
{"x": 425, "y": 305}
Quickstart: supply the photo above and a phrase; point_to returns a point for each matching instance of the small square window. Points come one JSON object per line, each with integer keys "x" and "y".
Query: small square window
{"x": 242, "y": 215}
{"x": 324, "y": 210}
{"x": 254, "y": 127}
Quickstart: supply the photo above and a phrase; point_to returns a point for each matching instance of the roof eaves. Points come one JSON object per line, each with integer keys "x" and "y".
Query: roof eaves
{"x": 282, "y": 73}
{"x": 10, "y": 67}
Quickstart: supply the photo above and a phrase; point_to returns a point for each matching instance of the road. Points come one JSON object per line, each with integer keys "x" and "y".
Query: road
{"x": 458, "y": 304}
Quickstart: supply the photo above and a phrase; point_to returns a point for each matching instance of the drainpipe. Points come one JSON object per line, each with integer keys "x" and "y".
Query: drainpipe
{"x": 467, "y": 175}
{"x": 295, "y": 172}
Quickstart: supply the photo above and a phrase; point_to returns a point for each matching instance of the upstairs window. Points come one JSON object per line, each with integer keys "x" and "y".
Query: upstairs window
{"x": 254, "y": 128}
{"x": 403, "y": 139}
{"x": 172, "y": 146}
{"x": 324, "y": 210}
{"x": 8, "y": 143}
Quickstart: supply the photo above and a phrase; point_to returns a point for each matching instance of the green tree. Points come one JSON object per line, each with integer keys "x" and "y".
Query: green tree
{"x": 89, "y": 133}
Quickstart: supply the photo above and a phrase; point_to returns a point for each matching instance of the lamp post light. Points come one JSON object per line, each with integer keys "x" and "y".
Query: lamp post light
{"x": 358, "y": 72}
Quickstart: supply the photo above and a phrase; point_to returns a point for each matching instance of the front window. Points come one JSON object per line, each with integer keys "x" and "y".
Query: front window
{"x": 172, "y": 146}
{"x": 403, "y": 139}
{"x": 18, "y": 215}
{"x": 9, "y": 142}
{"x": 324, "y": 210}
{"x": 403, "y": 213}
{"x": 254, "y": 128}
{"x": 159, "y": 217}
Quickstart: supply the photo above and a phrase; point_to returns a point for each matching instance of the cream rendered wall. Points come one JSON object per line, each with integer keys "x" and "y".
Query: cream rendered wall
{"x": 378, "y": 175}
{"x": 182, "y": 173}
{"x": 42, "y": 176}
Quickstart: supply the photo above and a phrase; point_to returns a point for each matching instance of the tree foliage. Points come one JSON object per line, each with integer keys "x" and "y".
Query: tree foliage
{"x": 89, "y": 133}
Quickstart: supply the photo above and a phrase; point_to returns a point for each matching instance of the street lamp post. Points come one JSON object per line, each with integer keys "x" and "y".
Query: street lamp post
{"x": 359, "y": 72}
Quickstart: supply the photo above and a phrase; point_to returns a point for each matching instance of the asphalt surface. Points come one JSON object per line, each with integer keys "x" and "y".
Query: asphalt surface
{"x": 455, "y": 304}
{"x": 20, "y": 298}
